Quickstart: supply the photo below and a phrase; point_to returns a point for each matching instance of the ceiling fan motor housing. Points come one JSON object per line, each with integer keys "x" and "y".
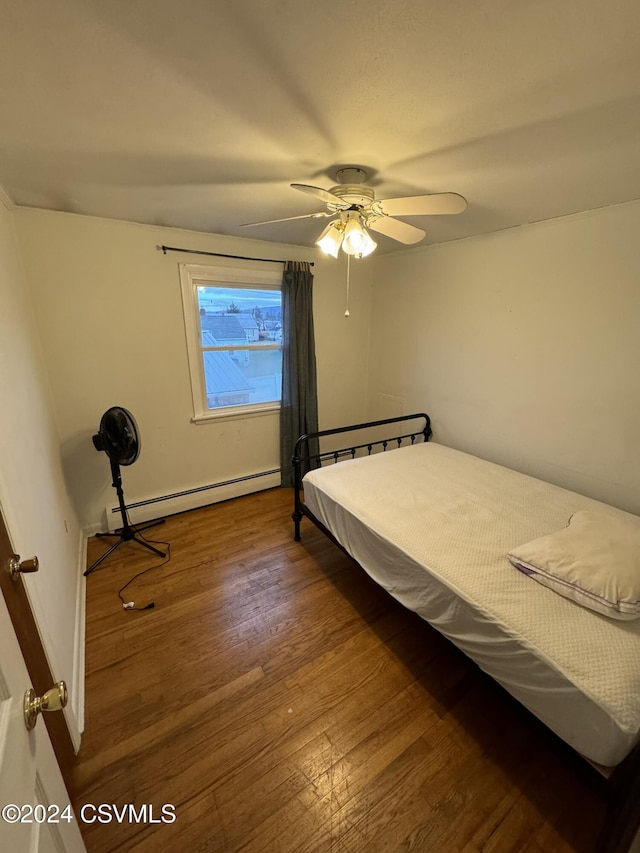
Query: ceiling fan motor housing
{"x": 350, "y": 188}
{"x": 351, "y": 194}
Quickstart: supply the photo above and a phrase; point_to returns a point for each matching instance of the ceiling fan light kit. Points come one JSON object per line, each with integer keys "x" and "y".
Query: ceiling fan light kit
{"x": 347, "y": 233}
{"x": 331, "y": 239}
{"x": 356, "y": 240}
{"x": 356, "y": 209}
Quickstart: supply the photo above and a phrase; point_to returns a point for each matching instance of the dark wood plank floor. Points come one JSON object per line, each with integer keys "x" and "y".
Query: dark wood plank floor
{"x": 283, "y": 703}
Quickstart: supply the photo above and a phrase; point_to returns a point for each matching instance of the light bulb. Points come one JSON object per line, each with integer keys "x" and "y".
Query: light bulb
{"x": 356, "y": 240}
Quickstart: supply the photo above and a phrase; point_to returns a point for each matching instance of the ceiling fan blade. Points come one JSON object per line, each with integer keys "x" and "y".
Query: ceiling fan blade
{"x": 318, "y": 192}
{"x": 420, "y": 205}
{"x": 321, "y": 215}
{"x": 397, "y": 230}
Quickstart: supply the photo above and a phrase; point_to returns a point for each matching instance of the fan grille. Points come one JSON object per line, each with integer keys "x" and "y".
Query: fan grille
{"x": 119, "y": 434}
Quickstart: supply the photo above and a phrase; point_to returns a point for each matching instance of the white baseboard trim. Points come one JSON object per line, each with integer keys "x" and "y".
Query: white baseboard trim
{"x": 79, "y": 641}
{"x": 148, "y": 509}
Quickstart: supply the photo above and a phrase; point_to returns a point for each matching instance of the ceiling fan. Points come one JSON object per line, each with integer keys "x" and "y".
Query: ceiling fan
{"x": 355, "y": 209}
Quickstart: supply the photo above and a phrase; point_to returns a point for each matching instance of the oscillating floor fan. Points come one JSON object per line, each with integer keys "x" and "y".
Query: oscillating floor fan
{"x": 118, "y": 437}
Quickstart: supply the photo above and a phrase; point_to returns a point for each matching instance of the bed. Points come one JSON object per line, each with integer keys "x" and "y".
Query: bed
{"x": 443, "y": 531}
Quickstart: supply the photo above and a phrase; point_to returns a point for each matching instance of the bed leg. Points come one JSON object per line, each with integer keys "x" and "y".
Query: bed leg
{"x": 622, "y": 822}
{"x": 297, "y": 518}
{"x": 297, "y": 488}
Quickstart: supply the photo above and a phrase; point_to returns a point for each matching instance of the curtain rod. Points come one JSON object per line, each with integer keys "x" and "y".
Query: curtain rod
{"x": 166, "y": 249}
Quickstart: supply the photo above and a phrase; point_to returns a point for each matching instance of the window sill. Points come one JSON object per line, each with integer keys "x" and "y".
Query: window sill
{"x": 236, "y": 414}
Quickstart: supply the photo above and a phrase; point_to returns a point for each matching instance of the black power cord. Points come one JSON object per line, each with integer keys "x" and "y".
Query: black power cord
{"x": 130, "y": 605}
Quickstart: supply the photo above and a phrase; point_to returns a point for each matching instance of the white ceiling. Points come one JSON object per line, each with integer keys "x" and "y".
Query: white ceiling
{"x": 199, "y": 114}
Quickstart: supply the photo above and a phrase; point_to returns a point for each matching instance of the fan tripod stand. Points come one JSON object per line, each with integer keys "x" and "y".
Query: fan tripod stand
{"x": 126, "y": 533}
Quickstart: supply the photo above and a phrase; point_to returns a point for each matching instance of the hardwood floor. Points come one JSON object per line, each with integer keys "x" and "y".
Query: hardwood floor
{"x": 283, "y": 703}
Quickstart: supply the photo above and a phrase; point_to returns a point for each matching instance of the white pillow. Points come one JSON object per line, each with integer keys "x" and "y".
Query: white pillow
{"x": 594, "y": 561}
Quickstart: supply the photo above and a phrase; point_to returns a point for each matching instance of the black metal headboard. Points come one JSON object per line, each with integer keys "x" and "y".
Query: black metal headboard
{"x": 307, "y": 453}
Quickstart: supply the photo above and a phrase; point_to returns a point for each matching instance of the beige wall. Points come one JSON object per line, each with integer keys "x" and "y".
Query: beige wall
{"x": 109, "y": 312}
{"x": 33, "y": 496}
{"x": 524, "y": 346}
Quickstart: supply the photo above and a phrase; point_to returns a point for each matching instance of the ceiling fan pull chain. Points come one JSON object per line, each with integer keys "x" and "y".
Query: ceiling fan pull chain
{"x": 346, "y": 313}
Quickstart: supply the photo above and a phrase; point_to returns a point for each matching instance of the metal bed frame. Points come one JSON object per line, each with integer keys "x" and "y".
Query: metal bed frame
{"x": 304, "y": 459}
{"x": 622, "y": 783}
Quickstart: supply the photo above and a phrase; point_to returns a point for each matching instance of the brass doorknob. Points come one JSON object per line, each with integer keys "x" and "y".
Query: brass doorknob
{"x": 54, "y": 699}
{"x": 22, "y": 568}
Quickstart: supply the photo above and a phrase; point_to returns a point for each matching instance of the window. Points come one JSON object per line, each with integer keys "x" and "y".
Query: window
{"x": 233, "y": 319}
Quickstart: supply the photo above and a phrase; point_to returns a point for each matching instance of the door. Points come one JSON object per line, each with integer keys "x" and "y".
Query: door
{"x": 33, "y": 652}
{"x": 35, "y": 813}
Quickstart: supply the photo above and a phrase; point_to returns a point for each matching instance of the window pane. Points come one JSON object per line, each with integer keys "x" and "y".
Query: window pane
{"x": 239, "y": 319}
{"x": 241, "y": 377}
{"x": 233, "y": 316}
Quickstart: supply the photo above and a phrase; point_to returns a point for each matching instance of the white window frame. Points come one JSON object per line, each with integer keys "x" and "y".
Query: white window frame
{"x": 193, "y": 276}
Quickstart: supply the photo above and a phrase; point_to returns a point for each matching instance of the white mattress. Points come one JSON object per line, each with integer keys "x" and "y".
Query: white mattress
{"x": 433, "y": 526}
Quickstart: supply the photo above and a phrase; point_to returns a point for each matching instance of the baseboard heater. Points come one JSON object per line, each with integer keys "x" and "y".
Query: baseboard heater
{"x": 155, "y": 507}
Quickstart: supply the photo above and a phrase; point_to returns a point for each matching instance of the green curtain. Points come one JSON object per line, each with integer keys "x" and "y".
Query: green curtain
{"x": 299, "y": 405}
